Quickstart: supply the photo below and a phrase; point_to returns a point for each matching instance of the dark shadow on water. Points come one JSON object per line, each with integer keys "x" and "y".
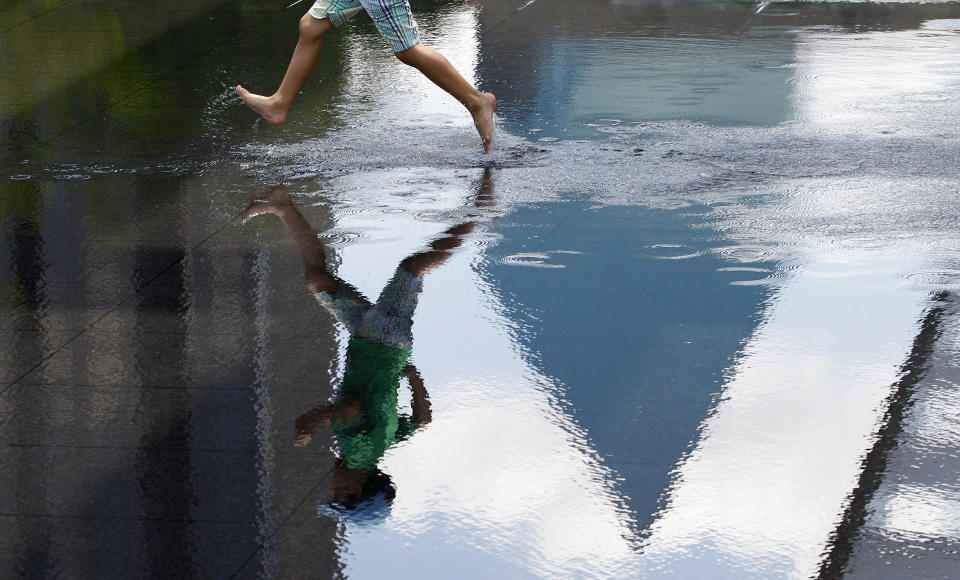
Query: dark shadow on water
{"x": 141, "y": 89}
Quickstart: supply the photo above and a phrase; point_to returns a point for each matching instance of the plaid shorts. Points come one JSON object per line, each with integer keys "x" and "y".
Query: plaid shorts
{"x": 392, "y": 18}
{"x": 389, "y": 321}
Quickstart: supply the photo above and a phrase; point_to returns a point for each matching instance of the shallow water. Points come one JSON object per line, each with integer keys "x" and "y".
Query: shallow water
{"x": 703, "y": 326}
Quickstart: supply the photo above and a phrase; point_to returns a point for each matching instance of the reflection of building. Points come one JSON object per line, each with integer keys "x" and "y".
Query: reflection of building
{"x": 156, "y": 435}
{"x": 154, "y": 363}
{"x": 597, "y": 63}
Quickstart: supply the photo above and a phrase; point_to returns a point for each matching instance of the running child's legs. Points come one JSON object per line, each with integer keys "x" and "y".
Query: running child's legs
{"x": 274, "y": 107}
{"x": 438, "y": 69}
{"x": 395, "y": 22}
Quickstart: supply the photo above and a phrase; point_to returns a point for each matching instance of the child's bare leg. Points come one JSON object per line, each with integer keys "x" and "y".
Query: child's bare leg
{"x": 439, "y": 70}
{"x": 274, "y": 108}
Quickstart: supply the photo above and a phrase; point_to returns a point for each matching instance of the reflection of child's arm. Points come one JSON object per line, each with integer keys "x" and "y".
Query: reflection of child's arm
{"x": 421, "y": 401}
{"x": 324, "y": 416}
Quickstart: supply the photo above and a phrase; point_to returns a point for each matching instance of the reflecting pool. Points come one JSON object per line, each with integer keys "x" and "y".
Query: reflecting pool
{"x": 693, "y": 316}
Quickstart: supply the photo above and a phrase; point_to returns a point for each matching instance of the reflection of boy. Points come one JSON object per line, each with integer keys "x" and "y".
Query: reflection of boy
{"x": 364, "y": 418}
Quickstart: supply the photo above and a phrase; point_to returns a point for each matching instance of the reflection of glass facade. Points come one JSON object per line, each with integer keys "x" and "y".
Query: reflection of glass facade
{"x": 639, "y": 62}
{"x": 587, "y": 66}
{"x": 586, "y": 83}
{"x": 739, "y": 80}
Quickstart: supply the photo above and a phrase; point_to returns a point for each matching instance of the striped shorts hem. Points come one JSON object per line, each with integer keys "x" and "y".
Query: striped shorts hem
{"x": 393, "y": 18}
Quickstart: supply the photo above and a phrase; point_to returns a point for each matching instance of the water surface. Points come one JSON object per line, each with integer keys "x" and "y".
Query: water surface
{"x": 710, "y": 279}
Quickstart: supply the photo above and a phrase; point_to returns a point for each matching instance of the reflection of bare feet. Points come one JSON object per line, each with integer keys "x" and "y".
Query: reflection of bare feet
{"x": 274, "y": 202}
{"x": 303, "y": 439}
{"x": 483, "y": 118}
{"x": 272, "y": 110}
{"x": 484, "y": 197}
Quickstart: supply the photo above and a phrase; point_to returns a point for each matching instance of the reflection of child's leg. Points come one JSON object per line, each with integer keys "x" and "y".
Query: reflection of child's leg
{"x": 309, "y": 247}
{"x": 484, "y": 197}
{"x": 274, "y": 107}
{"x": 422, "y": 262}
{"x": 343, "y": 301}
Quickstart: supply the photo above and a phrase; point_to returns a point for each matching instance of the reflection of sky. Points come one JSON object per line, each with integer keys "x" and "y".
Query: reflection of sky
{"x": 637, "y": 327}
{"x": 504, "y": 483}
{"x": 868, "y": 82}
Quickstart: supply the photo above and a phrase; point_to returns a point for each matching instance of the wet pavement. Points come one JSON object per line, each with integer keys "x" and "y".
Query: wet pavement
{"x": 695, "y": 314}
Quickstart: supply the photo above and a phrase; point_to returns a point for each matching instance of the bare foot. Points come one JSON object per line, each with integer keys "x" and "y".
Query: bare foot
{"x": 274, "y": 112}
{"x": 274, "y": 202}
{"x": 483, "y": 119}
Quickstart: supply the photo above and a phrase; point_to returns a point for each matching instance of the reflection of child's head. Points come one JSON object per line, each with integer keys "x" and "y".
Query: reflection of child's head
{"x": 355, "y": 487}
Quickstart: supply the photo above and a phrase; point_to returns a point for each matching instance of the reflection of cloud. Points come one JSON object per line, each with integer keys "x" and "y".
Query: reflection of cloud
{"x": 860, "y": 83}
{"x": 767, "y": 483}
{"x": 921, "y": 511}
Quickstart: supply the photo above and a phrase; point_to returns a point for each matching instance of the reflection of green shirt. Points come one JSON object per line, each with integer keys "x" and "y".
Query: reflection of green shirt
{"x": 372, "y": 378}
